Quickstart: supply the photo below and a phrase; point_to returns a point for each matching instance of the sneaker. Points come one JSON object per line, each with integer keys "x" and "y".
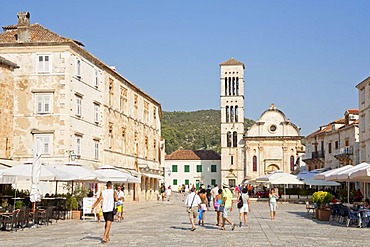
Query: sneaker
{"x": 240, "y": 224}
{"x": 193, "y": 229}
{"x": 233, "y": 227}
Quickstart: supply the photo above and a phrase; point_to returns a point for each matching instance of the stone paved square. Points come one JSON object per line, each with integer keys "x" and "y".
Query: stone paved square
{"x": 166, "y": 224}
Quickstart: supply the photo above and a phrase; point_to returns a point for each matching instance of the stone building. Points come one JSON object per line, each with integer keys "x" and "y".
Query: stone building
{"x": 364, "y": 115}
{"x": 273, "y": 143}
{"x": 6, "y": 107}
{"x": 192, "y": 167}
{"x": 80, "y": 107}
{"x": 232, "y": 122}
{"x": 335, "y": 144}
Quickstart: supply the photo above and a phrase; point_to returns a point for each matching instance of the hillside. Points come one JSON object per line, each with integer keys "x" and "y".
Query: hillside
{"x": 193, "y": 130}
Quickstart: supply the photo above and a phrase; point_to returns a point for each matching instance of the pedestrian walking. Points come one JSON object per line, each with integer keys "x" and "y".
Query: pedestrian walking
{"x": 109, "y": 197}
{"x": 121, "y": 198}
{"x": 214, "y": 193}
{"x": 227, "y": 204}
{"x": 192, "y": 203}
{"x": 246, "y": 208}
{"x": 217, "y": 205}
{"x": 209, "y": 195}
{"x": 168, "y": 192}
{"x": 272, "y": 203}
{"x": 162, "y": 191}
{"x": 203, "y": 206}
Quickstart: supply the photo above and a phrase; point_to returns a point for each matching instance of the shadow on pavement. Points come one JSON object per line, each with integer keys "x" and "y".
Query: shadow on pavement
{"x": 92, "y": 237}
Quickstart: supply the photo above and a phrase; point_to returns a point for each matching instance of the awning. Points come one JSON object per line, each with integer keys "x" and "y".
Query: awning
{"x": 152, "y": 175}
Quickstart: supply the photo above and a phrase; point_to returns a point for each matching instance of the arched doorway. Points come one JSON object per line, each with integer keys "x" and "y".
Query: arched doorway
{"x": 272, "y": 168}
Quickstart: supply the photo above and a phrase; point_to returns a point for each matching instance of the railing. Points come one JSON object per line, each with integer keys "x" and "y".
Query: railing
{"x": 344, "y": 151}
{"x": 318, "y": 154}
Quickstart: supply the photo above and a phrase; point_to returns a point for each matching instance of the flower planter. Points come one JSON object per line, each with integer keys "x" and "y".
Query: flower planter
{"x": 76, "y": 214}
{"x": 323, "y": 214}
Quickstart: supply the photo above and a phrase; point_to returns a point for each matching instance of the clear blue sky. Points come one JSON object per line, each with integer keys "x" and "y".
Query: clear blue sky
{"x": 304, "y": 56}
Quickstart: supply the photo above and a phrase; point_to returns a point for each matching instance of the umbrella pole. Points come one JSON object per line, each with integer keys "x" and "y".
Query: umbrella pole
{"x": 56, "y": 188}
{"x": 347, "y": 191}
{"x": 15, "y": 195}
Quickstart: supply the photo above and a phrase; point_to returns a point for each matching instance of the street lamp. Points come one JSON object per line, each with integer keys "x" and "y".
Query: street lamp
{"x": 71, "y": 155}
{"x": 169, "y": 172}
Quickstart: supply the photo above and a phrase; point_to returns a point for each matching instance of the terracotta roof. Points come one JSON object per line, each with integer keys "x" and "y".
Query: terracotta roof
{"x": 7, "y": 62}
{"x": 232, "y": 61}
{"x": 193, "y": 155}
{"x": 353, "y": 111}
{"x": 39, "y": 34}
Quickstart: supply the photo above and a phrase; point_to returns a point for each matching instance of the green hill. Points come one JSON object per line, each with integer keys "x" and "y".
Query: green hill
{"x": 193, "y": 130}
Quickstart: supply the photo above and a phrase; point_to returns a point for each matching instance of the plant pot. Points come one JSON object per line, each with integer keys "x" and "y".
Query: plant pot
{"x": 76, "y": 214}
{"x": 323, "y": 214}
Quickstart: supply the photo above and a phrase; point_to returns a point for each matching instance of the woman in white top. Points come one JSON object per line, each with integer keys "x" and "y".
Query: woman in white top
{"x": 243, "y": 211}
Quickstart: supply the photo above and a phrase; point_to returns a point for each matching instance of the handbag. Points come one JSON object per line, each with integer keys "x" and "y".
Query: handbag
{"x": 240, "y": 202}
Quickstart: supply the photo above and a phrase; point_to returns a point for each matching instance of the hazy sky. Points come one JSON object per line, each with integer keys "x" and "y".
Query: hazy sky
{"x": 304, "y": 56}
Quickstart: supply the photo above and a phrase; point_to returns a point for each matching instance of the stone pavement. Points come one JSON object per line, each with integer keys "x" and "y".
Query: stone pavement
{"x": 166, "y": 224}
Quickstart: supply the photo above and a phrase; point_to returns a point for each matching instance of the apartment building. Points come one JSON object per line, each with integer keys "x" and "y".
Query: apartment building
{"x": 335, "y": 144}
{"x": 80, "y": 107}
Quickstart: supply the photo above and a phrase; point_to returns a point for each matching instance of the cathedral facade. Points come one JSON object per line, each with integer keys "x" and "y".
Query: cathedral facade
{"x": 272, "y": 143}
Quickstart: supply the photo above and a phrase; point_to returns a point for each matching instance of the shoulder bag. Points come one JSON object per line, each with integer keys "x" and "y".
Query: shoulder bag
{"x": 240, "y": 202}
{"x": 191, "y": 205}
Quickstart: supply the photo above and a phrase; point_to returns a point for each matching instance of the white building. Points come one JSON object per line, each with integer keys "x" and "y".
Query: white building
{"x": 192, "y": 167}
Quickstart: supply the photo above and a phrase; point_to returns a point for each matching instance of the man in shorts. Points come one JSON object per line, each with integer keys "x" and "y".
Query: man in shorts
{"x": 120, "y": 197}
{"x": 109, "y": 197}
{"x": 227, "y": 203}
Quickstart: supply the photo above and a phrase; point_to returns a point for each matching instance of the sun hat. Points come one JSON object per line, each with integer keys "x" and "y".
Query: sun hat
{"x": 225, "y": 185}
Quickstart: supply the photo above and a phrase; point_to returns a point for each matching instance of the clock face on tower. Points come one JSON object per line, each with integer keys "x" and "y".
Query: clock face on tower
{"x": 272, "y": 128}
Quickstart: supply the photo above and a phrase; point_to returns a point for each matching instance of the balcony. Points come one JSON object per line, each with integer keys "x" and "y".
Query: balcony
{"x": 344, "y": 155}
{"x": 344, "y": 151}
{"x": 318, "y": 154}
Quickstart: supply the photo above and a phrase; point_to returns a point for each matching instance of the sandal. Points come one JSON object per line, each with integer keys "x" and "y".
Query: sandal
{"x": 104, "y": 241}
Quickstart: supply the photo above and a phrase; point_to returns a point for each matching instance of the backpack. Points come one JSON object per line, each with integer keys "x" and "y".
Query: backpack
{"x": 240, "y": 202}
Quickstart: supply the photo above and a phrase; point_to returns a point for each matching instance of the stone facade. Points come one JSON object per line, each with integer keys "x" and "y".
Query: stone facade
{"x": 232, "y": 122}
{"x": 6, "y": 107}
{"x": 79, "y": 107}
{"x": 364, "y": 114}
{"x": 272, "y": 143}
{"x": 247, "y": 155}
{"x": 335, "y": 144}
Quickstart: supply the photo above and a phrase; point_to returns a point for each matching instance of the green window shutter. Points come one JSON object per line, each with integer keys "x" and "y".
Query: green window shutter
{"x": 174, "y": 168}
{"x": 213, "y": 168}
{"x": 187, "y": 181}
{"x": 174, "y": 182}
{"x": 187, "y": 168}
{"x": 199, "y": 168}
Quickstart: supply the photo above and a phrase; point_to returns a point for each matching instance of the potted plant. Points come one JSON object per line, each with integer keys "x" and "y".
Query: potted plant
{"x": 321, "y": 199}
{"x": 72, "y": 205}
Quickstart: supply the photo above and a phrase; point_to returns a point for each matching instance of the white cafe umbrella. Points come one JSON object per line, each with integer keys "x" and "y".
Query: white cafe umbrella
{"x": 345, "y": 175}
{"x": 110, "y": 173}
{"x": 82, "y": 173}
{"x": 326, "y": 174}
{"x": 36, "y": 171}
{"x": 308, "y": 179}
{"x": 279, "y": 177}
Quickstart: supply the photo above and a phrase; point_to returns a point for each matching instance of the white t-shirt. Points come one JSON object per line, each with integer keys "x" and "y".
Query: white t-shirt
{"x": 168, "y": 192}
{"x": 120, "y": 194}
{"x": 189, "y": 200}
{"x": 108, "y": 200}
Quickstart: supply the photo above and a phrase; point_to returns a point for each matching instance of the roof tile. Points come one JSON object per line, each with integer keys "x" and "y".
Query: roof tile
{"x": 193, "y": 155}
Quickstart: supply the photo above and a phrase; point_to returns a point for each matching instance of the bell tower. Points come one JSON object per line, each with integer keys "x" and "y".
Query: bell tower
{"x": 232, "y": 122}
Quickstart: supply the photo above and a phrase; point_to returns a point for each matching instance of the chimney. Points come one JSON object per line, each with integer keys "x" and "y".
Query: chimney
{"x": 24, "y": 27}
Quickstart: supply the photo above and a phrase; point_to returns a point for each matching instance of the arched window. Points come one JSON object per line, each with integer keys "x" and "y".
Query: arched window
{"x": 228, "y": 139}
{"x": 229, "y": 85}
{"x": 231, "y": 114}
{"x": 237, "y": 85}
{"x": 291, "y": 163}
{"x": 227, "y": 114}
{"x": 225, "y": 86}
{"x": 233, "y": 85}
{"x": 236, "y": 113}
{"x": 254, "y": 163}
{"x": 235, "y": 139}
